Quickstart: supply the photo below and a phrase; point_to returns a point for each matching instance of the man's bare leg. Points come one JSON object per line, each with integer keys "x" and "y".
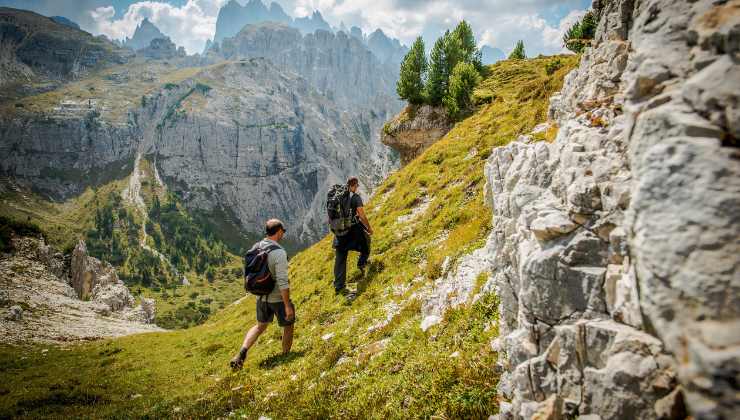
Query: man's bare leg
{"x": 249, "y": 339}
{"x": 287, "y": 338}
{"x": 253, "y": 334}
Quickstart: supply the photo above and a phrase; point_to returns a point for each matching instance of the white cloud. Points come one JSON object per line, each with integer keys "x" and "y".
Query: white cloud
{"x": 189, "y": 25}
{"x": 498, "y": 23}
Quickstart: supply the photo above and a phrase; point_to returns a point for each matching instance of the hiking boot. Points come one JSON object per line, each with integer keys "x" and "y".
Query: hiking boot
{"x": 236, "y": 363}
{"x": 348, "y": 295}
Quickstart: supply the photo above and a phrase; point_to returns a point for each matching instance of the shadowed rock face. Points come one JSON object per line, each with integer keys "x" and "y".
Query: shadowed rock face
{"x": 415, "y": 129}
{"x": 615, "y": 248}
{"x": 37, "y": 50}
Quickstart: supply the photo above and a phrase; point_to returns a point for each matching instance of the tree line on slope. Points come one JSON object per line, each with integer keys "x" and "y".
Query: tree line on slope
{"x": 449, "y": 75}
{"x": 454, "y": 66}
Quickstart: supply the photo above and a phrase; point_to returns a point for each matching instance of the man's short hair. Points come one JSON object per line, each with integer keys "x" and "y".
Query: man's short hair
{"x": 273, "y": 226}
{"x": 352, "y": 181}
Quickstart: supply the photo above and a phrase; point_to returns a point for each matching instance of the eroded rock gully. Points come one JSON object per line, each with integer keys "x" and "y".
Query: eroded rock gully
{"x": 615, "y": 249}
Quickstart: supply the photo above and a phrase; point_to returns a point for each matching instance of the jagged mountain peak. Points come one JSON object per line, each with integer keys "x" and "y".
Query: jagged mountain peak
{"x": 233, "y": 17}
{"x": 144, "y": 34}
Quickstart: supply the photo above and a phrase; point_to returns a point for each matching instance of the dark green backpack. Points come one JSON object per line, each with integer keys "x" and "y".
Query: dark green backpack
{"x": 339, "y": 210}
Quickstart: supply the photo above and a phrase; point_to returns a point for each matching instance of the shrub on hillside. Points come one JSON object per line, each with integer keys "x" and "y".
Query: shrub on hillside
{"x": 423, "y": 81}
{"x": 552, "y": 66}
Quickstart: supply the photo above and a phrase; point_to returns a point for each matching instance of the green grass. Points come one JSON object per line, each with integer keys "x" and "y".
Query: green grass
{"x": 446, "y": 371}
{"x": 116, "y": 89}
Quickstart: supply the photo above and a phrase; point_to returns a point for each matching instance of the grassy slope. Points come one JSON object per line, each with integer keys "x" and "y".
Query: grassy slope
{"x": 183, "y": 373}
{"x": 116, "y": 89}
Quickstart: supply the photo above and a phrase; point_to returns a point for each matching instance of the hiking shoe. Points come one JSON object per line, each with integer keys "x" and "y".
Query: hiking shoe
{"x": 349, "y": 296}
{"x": 236, "y": 363}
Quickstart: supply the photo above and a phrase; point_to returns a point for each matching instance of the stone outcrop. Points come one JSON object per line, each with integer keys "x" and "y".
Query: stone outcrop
{"x": 415, "y": 129}
{"x": 615, "y": 249}
{"x": 89, "y": 274}
{"x": 41, "y": 305}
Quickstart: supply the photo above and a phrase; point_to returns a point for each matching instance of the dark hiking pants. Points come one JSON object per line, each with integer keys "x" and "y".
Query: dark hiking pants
{"x": 357, "y": 240}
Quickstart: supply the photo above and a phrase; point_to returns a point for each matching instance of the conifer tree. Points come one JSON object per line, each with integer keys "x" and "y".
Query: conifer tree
{"x": 436, "y": 86}
{"x": 463, "y": 80}
{"x": 464, "y": 42}
{"x": 410, "y": 84}
{"x": 578, "y": 36}
{"x": 518, "y": 52}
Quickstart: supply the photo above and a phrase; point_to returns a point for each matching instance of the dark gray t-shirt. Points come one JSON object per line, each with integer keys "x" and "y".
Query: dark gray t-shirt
{"x": 355, "y": 202}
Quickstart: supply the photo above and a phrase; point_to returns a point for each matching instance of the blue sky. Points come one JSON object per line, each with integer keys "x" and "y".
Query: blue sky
{"x": 498, "y": 23}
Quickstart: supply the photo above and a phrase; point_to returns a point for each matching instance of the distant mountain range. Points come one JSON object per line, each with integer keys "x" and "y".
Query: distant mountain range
{"x": 490, "y": 55}
{"x": 270, "y": 112}
{"x": 233, "y": 17}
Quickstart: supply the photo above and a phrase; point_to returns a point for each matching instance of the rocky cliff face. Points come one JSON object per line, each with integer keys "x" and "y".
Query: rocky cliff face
{"x": 255, "y": 139}
{"x": 415, "y": 129}
{"x": 267, "y": 149}
{"x": 339, "y": 66}
{"x": 615, "y": 249}
{"x": 232, "y": 17}
{"x": 39, "y": 54}
{"x": 60, "y": 154}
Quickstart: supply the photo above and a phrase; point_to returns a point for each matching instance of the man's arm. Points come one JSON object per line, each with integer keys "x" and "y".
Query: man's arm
{"x": 281, "y": 277}
{"x": 363, "y": 219}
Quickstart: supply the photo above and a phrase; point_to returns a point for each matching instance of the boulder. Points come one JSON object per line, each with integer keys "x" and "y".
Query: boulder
{"x": 15, "y": 313}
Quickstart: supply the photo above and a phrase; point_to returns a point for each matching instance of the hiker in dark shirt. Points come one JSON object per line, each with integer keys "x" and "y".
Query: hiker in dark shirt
{"x": 358, "y": 239}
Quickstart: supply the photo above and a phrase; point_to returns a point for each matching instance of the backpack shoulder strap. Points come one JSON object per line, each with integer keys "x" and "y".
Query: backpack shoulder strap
{"x": 271, "y": 248}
